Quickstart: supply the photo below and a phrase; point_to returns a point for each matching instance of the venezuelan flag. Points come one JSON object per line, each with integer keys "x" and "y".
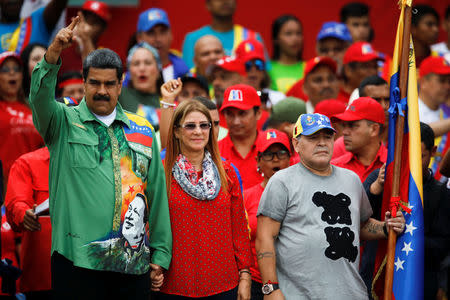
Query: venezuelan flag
{"x": 140, "y": 131}
{"x": 409, "y": 251}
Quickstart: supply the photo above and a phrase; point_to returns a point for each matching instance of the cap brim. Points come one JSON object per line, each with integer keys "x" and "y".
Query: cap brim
{"x": 268, "y": 144}
{"x": 348, "y": 115}
{"x": 332, "y": 35}
{"x": 238, "y": 105}
{"x": 316, "y": 129}
{"x": 153, "y": 24}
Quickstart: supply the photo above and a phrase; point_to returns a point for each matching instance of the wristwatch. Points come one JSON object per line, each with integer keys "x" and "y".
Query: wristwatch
{"x": 269, "y": 287}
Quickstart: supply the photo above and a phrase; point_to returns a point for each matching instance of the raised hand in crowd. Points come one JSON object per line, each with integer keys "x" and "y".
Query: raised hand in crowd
{"x": 63, "y": 40}
{"x": 169, "y": 92}
{"x": 83, "y": 34}
{"x": 377, "y": 187}
{"x": 30, "y": 220}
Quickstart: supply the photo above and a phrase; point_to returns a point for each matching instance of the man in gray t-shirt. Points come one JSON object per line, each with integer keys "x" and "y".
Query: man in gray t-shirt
{"x": 310, "y": 219}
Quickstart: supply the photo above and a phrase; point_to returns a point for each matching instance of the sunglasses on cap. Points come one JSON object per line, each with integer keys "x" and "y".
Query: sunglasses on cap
{"x": 192, "y": 126}
{"x": 259, "y": 64}
{"x": 268, "y": 156}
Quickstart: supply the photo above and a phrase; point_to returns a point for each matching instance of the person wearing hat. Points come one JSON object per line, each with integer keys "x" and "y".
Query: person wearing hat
{"x": 153, "y": 27}
{"x": 38, "y": 26}
{"x": 226, "y": 72}
{"x": 360, "y": 61}
{"x": 273, "y": 155}
{"x": 241, "y": 109}
{"x": 322, "y": 210}
{"x": 363, "y": 123}
{"x": 222, "y": 27}
{"x": 332, "y": 41}
{"x": 207, "y": 51}
{"x": 94, "y": 19}
{"x": 329, "y": 108}
{"x": 434, "y": 91}
{"x": 17, "y": 132}
{"x": 320, "y": 82}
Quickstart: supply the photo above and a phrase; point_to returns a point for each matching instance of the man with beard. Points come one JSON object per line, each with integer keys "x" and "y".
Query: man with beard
{"x": 16, "y": 33}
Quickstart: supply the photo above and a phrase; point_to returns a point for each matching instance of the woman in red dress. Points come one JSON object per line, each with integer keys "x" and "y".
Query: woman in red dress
{"x": 211, "y": 253}
{"x": 17, "y": 132}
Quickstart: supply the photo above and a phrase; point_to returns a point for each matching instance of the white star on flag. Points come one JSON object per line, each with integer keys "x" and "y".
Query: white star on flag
{"x": 410, "y": 207}
{"x": 399, "y": 264}
{"x": 407, "y": 248}
{"x": 410, "y": 228}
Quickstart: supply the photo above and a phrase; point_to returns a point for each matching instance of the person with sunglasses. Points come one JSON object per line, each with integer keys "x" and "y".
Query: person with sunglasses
{"x": 273, "y": 155}
{"x": 211, "y": 253}
{"x": 251, "y": 53}
{"x": 17, "y": 131}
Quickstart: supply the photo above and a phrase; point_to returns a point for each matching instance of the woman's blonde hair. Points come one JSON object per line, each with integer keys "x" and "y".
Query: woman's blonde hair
{"x": 173, "y": 144}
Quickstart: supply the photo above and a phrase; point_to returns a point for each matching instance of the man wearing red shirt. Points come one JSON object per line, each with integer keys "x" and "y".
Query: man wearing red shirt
{"x": 241, "y": 110}
{"x": 28, "y": 187}
{"x": 363, "y": 122}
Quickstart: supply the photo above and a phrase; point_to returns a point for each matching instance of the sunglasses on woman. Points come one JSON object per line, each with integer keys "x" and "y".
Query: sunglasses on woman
{"x": 258, "y": 63}
{"x": 192, "y": 126}
{"x": 268, "y": 156}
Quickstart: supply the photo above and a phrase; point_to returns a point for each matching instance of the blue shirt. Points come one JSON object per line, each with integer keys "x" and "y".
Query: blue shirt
{"x": 32, "y": 30}
{"x": 227, "y": 39}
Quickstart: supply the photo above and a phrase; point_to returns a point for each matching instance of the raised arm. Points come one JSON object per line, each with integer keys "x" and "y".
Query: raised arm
{"x": 52, "y": 12}
{"x": 169, "y": 92}
{"x": 266, "y": 234}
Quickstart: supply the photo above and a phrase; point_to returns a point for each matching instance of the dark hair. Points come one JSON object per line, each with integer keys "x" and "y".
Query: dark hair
{"x": 103, "y": 59}
{"x": 66, "y": 76}
{"x": 276, "y": 28}
{"x": 371, "y": 80}
{"x": 447, "y": 12}
{"x": 25, "y": 57}
{"x": 421, "y": 10}
{"x": 210, "y": 105}
{"x": 426, "y": 136}
{"x": 354, "y": 9}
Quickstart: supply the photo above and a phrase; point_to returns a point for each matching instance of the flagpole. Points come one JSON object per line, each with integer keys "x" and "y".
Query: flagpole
{"x": 403, "y": 84}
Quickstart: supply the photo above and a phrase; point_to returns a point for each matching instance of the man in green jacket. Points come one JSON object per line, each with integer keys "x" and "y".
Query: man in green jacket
{"x": 108, "y": 203}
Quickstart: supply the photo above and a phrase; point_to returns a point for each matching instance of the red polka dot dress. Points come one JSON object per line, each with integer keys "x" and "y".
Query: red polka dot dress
{"x": 210, "y": 241}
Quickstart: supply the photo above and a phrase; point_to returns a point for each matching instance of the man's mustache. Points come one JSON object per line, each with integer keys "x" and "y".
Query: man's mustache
{"x": 98, "y": 97}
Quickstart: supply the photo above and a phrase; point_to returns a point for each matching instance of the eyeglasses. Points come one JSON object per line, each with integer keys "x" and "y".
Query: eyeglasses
{"x": 192, "y": 126}
{"x": 258, "y": 63}
{"x": 15, "y": 69}
{"x": 268, "y": 156}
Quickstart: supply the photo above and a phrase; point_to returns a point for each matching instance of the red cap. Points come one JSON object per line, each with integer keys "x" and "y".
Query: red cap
{"x": 329, "y": 107}
{"x": 250, "y": 49}
{"x": 363, "y": 108}
{"x": 231, "y": 64}
{"x": 360, "y": 52}
{"x": 7, "y": 54}
{"x": 270, "y": 137}
{"x": 241, "y": 96}
{"x": 101, "y": 9}
{"x": 319, "y": 60}
{"x": 434, "y": 64}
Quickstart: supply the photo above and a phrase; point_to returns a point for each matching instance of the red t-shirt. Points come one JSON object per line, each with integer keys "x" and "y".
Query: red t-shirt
{"x": 210, "y": 241}
{"x": 9, "y": 247}
{"x": 28, "y": 185}
{"x": 349, "y": 161}
{"x": 247, "y": 166}
{"x": 343, "y": 96}
{"x": 251, "y": 202}
{"x": 17, "y": 133}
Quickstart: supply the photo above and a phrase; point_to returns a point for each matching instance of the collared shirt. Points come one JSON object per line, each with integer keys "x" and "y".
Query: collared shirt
{"x": 246, "y": 165}
{"x": 351, "y": 162}
{"x": 108, "y": 200}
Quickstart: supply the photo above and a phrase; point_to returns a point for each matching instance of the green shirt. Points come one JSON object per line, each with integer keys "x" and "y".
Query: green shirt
{"x": 108, "y": 200}
{"x": 283, "y": 76}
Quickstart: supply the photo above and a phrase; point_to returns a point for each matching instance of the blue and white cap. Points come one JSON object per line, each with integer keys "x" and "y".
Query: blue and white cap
{"x": 308, "y": 124}
{"x": 150, "y": 18}
{"x": 334, "y": 30}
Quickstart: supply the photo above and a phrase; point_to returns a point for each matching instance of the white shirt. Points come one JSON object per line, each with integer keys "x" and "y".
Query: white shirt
{"x": 107, "y": 120}
{"x": 440, "y": 48}
{"x": 427, "y": 115}
{"x": 168, "y": 73}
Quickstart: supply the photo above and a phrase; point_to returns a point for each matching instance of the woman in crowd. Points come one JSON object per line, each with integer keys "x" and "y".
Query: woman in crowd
{"x": 287, "y": 64}
{"x": 141, "y": 95}
{"x": 17, "y": 132}
{"x": 211, "y": 252}
{"x": 273, "y": 155}
{"x": 30, "y": 56}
